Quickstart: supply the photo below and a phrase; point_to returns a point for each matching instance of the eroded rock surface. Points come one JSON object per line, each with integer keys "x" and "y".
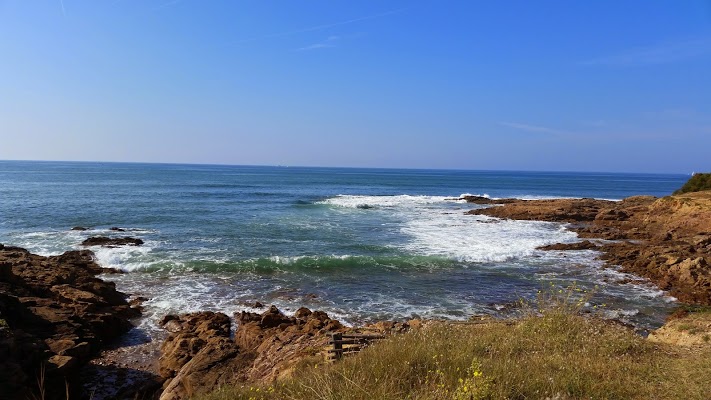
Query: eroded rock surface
{"x": 200, "y": 355}
{"x": 667, "y": 240}
{"x": 54, "y": 315}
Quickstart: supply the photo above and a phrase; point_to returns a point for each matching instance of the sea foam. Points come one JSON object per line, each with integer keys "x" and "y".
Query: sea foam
{"x": 438, "y": 225}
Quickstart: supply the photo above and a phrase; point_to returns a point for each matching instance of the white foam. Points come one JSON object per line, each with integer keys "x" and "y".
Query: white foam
{"x": 125, "y": 258}
{"x": 474, "y": 195}
{"x": 437, "y": 226}
{"x": 479, "y": 239}
{"x": 352, "y": 201}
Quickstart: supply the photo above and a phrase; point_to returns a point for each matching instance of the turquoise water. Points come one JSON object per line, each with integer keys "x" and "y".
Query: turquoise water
{"x": 361, "y": 244}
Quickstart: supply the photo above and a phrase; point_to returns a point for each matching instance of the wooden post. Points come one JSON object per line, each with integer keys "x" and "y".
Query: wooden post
{"x": 337, "y": 345}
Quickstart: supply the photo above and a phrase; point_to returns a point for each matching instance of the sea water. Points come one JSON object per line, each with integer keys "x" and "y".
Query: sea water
{"x": 360, "y": 244}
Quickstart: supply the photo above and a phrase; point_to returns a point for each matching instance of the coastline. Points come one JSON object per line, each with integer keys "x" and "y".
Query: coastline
{"x": 665, "y": 240}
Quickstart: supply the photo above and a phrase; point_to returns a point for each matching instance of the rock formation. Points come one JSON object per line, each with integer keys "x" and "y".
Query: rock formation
{"x": 109, "y": 241}
{"x": 199, "y": 355}
{"x": 54, "y": 315}
{"x": 667, "y": 240}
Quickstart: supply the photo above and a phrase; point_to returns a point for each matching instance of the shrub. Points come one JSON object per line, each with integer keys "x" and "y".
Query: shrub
{"x": 696, "y": 183}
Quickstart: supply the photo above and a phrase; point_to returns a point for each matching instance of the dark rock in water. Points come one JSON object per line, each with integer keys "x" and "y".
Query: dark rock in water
{"x": 55, "y": 315}
{"x": 107, "y": 241}
{"x": 486, "y": 200}
{"x": 364, "y": 206}
{"x": 477, "y": 200}
{"x": 257, "y": 304}
{"x": 584, "y": 245}
{"x": 117, "y": 229}
{"x": 79, "y": 228}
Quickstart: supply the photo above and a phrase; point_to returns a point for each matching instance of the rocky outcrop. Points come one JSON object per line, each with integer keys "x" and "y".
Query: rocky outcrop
{"x": 667, "y": 240}
{"x": 54, "y": 315}
{"x": 111, "y": 241}
{"x": 584, "y": 245}
{"x": 558, "y": 210}
{"x": 486, "y": 200}
{"x": 199, "y": 355}
{"x": 687, "y": 329}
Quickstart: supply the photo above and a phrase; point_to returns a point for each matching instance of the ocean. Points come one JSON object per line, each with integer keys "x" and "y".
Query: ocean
{"x": 360, "y": 244}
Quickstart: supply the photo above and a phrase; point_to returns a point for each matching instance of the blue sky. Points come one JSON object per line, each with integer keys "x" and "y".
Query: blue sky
{"x": 516, "y": 85}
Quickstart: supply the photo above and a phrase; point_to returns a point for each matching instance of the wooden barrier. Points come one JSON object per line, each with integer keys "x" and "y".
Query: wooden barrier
{"x": 354, "y": 343}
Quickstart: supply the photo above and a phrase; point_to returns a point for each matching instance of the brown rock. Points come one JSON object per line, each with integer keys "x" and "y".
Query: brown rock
{"x": 302, "y": 312}
{"x": 200, "y": 356}
{"x": 62, "y": 365}
{"x": 61, "y": 315}
{"x": 665, "y": 240}
{"x": 558, "y": 210}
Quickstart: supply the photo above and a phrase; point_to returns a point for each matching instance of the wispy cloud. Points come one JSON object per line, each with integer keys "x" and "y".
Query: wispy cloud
{"x": 64, "y": 11}
{"x": 329, "y": 42}
{"x": 532, "y": 128}
{"x": 321, "y": 27}
{"x": 662, "y": 53}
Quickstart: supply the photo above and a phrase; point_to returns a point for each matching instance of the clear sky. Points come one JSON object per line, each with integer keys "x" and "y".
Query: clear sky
{"x": 517, "y": 85}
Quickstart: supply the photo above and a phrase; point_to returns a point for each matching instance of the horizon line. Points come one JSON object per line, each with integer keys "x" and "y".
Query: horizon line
{"x": 352, "y": 167}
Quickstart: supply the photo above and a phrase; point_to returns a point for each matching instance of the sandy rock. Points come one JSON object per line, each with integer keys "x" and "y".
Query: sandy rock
{"x": 690, "y": 330}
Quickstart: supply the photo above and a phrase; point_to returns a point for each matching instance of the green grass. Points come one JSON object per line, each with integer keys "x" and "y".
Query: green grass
{"x": 696, "y": 183}
{"x": 554, "y": 354}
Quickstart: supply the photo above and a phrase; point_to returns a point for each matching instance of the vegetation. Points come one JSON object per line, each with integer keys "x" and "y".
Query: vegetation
{"x": 696, "y": 183}
{"x": 553, "y": 353}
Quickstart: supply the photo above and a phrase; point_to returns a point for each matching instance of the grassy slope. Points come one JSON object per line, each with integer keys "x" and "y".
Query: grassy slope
{"x": 559, "y": 355}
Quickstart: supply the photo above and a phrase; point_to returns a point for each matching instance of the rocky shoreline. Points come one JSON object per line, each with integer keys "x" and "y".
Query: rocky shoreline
{"x": 60, "y": 331}
{"x": 59, "y": 323}
{"x": 666, "y": 240}
{"x": 55, "y": 315}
